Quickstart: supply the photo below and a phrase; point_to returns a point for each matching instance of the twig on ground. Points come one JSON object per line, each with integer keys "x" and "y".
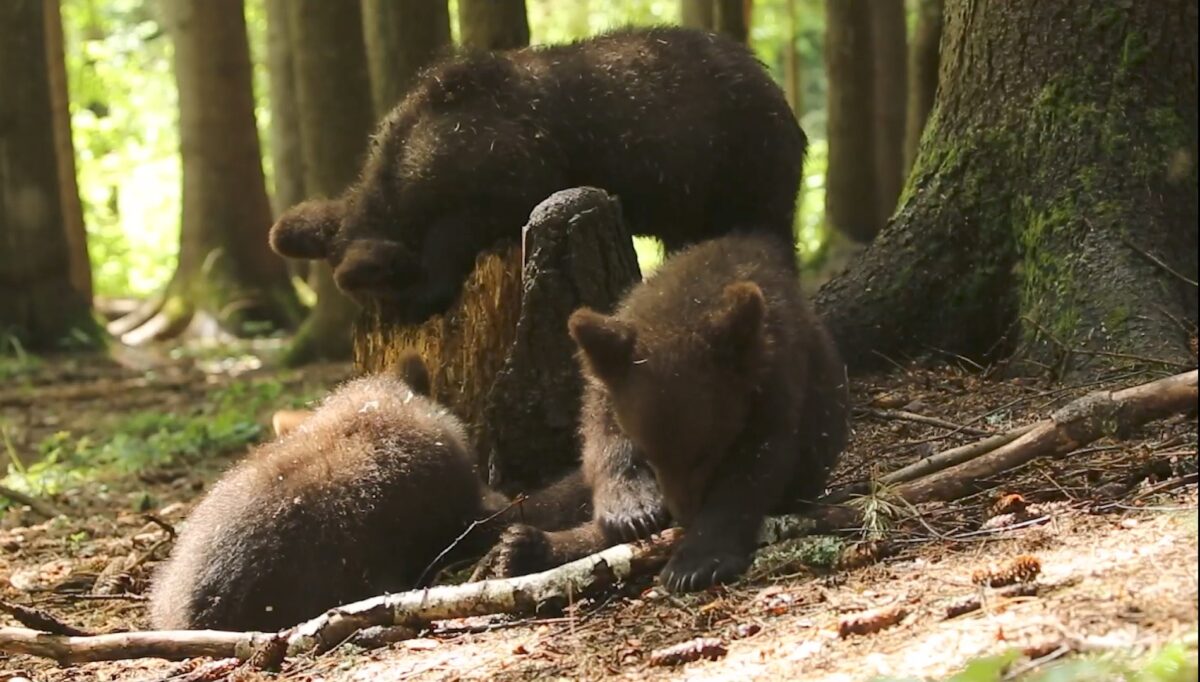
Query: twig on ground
{"x": 41, "y": 507}
{"x": 1160, "y": 263}
{"x": 462, "y": 536}
{"x": 38, "y": 619}
{"x": 904, "y": 415}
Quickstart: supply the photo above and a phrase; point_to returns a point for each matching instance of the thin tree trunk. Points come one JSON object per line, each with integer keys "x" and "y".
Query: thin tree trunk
{"x": 41, "y": 305}
{"x": 80, "y": 266}
{"x": 227, "y": 276}
{"x": 401, "y": 36}
{"x": 793, "y": 80}
{"x": 286, "y": 151}
{"x": 697, "y": 14}
{"x": 890, "y": 54}
{"x": 493, "y": 24}
{"x": 732, "y": 18}
{"x": 334, "y": 96}
{"x": 1051, "y": 212}
{"x": 851, "y": 191}
{"x": 922, "y": 74}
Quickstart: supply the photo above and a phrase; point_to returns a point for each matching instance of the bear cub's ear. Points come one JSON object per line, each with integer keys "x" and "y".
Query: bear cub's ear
{"x": 737, "y": 328}
{"x": 606, "y": 342}
{"x": 412, "y": 370}
{"x": 306, "y": 229}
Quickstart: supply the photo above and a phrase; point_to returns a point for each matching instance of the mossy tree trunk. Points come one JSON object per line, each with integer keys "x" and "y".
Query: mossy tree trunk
{"x": 851, "y": 180}
{"x": 41, "y": 304}
{"x": 501, "y": 358}
{"x": 493, "y": 24}
{"x": 889, "y": 51}
{"x": 336, "y": 117}
{"x": 922, "y": 74}
{"x": 227, "y": 278}
{"x": 401, "y": 36}
{"x": 1059, "y": 164}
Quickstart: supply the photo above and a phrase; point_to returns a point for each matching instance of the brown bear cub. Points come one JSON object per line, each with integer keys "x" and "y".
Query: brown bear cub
{"x": 685, "y": 127}
{"x": 714, "y": 396}
{"x": 357, "y": 500}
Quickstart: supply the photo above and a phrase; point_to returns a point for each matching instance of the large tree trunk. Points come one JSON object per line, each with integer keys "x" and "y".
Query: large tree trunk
{"x": 336, "y": 118}
{"x": 889, "y": 52}
{"x": 922, "y": 74}
{"x": 501, "y": 357}
{"x": 41, "y": 305}
{"x": 227, "y": 277}
{"x": 401, "y": 36}
{"x": 493, "y": 24}
{"x": 72, "y": 208}
{"x": 851, "y": 189}
{"x": 1052, "y": 207}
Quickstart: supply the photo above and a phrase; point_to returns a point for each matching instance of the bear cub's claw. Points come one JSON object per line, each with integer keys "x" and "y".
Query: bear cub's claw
{"x": 521, "y": 550}
{"x": 692, "y": 569}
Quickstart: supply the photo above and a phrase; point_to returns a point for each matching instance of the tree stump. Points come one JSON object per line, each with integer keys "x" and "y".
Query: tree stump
{"x": 501, "y": 358}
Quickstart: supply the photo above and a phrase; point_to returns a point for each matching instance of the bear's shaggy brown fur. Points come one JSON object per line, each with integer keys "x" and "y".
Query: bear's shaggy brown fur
{"x": 685, "y": 127}
{"x": 714, "y": 396}
{"x": 357, "y": 500}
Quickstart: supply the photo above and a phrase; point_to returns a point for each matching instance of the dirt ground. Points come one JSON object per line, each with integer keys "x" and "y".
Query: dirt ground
{"x": 1112, "y": 526}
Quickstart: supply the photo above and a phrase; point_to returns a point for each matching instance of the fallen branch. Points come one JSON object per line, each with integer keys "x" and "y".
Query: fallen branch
{"x": 38, "y": 619}
{"x": 1075, "y": 425}
{"x": 41, "y": 507}
{"x": 523, "y": 595}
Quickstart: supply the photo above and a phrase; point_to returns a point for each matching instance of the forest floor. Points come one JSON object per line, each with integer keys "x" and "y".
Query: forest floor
{"x": 1113, "y": 527}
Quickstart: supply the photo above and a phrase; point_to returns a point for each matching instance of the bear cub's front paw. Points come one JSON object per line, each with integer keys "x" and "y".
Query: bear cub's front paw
{"x": 521, "y": 550}
{"x": 634, "y": 511}
{"x": 692, "y": 569}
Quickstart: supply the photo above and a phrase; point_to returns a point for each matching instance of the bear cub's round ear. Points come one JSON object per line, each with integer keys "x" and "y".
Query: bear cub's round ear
{"x": 736, "y": 330}
{"x": 412, "y": 370}
{"x": 306, "y": 229}
{"x": 606, "y": 343}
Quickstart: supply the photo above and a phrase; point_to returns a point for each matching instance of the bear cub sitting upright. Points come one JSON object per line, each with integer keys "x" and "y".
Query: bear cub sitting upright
{"x": 687, "y": 128}
{"x": 358, "y": 499}
{"x": 713, "y": 395}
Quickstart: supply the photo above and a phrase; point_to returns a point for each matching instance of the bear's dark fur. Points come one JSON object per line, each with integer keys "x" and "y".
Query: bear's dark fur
{"x": 715, "y": 384}
{"x": 685, "y": 127}
{"x": 356, "y": 501}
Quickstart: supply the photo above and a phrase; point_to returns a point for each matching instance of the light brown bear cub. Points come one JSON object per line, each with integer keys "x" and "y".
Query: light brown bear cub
{"x": 357, "y": 500}
{"x": 714, "y": 396}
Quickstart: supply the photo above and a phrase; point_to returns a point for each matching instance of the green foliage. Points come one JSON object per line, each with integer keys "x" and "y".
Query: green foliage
{"x": 123, "y": 118}
{"x": 147, "y": 439}
{"x": 1174, "y": 662}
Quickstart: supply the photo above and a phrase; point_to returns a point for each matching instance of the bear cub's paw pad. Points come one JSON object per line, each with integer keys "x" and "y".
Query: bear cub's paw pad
{"x": 521, "y": 550}
{"x": 695, "y": 570}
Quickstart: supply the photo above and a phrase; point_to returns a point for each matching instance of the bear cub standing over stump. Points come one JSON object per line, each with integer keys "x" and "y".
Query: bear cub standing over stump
{"x": 685, "y": 127}
{"x": 357, "y": 500}
{"x": 713, "y": 395}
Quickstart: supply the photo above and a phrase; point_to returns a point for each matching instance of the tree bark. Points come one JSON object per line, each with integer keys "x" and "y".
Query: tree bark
{"x": 336, "y": 118}
{"x": 493, "y": 24}
{"x": 286, "y": 150}
{"x": 732, "y": 18}
{"x": 728, "y": 17}
{"x": 697, "y": 14}
{"x": 922, "y": 74}
{"x": 851, "y": 189}
{"x": 401, "y": 36}
{"x": 41, "y": 305}
{"x": 1051, "y": 212}
{"x": 889, "y": 52}
{"x": 80, "y": 265}
{"x": 501, "y": 358}
{"x": 227, "y": 276}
